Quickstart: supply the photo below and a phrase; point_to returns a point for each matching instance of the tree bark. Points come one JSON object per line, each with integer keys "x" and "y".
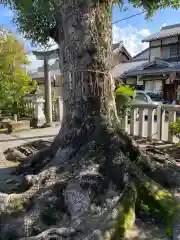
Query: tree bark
{"x": 86, "y": 39}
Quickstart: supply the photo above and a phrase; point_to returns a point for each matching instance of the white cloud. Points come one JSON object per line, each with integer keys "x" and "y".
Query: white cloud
{"x": 50, "y": 45}
{"x": 131, "y": 38}
{"x": 34, "y": 63}
{"x": 144, "y": 32}
{"x": 164, "y": 25}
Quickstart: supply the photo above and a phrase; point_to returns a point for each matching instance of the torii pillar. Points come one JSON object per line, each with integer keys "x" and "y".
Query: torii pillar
{"x": 46, "y": 56}
{"x": 48, "y": 91}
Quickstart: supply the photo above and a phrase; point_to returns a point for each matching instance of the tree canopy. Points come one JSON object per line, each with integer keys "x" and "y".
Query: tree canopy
{"x": 37, "y": 19}
{"x": 14, "y": 82}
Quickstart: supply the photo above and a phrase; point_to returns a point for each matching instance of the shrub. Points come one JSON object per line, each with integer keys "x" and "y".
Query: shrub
{"x": 175, "y": 128}
{"x": 124, "y": 96}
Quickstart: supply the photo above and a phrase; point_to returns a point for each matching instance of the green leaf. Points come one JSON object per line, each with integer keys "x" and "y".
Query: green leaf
{"x": 36, "y": 20}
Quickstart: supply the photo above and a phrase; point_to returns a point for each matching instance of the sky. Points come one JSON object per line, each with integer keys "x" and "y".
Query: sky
{"x": 130, "y": 31}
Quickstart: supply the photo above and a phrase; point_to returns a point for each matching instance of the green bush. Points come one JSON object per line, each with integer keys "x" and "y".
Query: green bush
{"x": 124, "y": 96}
{"x": 175, "y": 128}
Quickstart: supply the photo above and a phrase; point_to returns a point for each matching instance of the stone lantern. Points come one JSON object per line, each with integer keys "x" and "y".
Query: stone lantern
{"x": 39, "y": 118}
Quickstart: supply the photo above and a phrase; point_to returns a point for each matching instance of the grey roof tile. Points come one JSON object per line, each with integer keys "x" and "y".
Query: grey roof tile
{"x": 173, "y": 67}
{"x": 165, "y": 32}
{"x": 120, "y": 69}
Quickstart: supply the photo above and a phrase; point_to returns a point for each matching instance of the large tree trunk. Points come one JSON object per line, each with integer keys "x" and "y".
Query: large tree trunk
{"x": 85, "y": 40}
{"x": 80, "y": 181}
{"x": 86, "y": 45}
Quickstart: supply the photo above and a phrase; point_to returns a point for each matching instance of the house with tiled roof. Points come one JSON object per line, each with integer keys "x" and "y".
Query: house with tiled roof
{"x": 157, "y": 68}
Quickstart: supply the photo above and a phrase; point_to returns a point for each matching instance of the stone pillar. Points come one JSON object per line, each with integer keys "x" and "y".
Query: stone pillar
{"x": 150, "y": 129}
{"x": 59, "y": 104}
{"x": 48, "y": 92}
{"x": 172, "y": 118}
{"x": 39, "y": 117}
{"x": 15, "y": 117}
{"x": 141, "y": 122}
{"x": 124, "y": 123}
{"x": 133, "y": 121}
{"x": 160, "y": 122}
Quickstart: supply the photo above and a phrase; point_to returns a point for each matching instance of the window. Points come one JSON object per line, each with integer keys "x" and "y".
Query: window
{"x": 141, "y": 97}
{"x": 153, "y": 85}
{"x": 173, "y": 51}
{"x": 165, "y": 52}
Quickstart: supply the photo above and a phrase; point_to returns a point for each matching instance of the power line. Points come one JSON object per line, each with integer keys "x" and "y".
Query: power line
{"x": 134, "y": 15}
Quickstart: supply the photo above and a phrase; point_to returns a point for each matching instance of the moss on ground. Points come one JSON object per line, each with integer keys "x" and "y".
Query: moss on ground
{"x": 126, "y": 215}
{"x": 16, "y": 205}
{"x": 161, "y": 201}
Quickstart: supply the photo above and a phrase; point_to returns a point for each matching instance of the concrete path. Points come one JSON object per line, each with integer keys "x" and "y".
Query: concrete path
{"x": 19, "y": 138}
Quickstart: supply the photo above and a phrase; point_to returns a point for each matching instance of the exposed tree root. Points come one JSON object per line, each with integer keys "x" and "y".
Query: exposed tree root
{"x": 54, "y": 232}
{"x": 162, "y": 175}
{"x": 83, "y": 186}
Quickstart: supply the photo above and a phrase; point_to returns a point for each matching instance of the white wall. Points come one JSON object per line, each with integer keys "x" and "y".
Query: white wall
{"x": 143, "y": 55}
{"x": 155, "y": 52}
{"x": 170, "y": 40}
{"x": 155, "y": 43}
{"x": 131, "y": 81}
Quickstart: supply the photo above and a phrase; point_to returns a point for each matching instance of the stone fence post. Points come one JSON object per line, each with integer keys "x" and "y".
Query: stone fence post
{"x": 59, "y": 104}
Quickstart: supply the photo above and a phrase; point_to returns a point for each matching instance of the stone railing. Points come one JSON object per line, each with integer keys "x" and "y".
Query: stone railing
{"x": 57, "y": 108}
{"x": 26, "y": 108}
{"x": 151, "y": 121}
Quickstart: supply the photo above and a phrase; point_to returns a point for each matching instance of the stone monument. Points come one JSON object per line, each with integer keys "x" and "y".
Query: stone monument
{"x": 39, "y": 118}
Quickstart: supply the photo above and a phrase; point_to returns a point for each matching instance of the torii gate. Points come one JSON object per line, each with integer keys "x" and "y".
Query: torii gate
{"x": 46, "y": 56}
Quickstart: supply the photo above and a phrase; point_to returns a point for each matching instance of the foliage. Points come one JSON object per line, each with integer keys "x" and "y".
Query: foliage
{"x": 34, "y": 84}
{"x": 15, "y": 205}
{"x": 36, "y": 19}
{"x": 175, "y": 128}
{"x": 124, "y": 96}
{"x": 125, "y": 90}
{"x": 159, "y": 201}
{"x": 14, "y": 83}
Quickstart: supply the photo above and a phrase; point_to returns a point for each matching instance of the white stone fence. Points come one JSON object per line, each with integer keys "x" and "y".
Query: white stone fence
{"x": 151, "y": 121}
